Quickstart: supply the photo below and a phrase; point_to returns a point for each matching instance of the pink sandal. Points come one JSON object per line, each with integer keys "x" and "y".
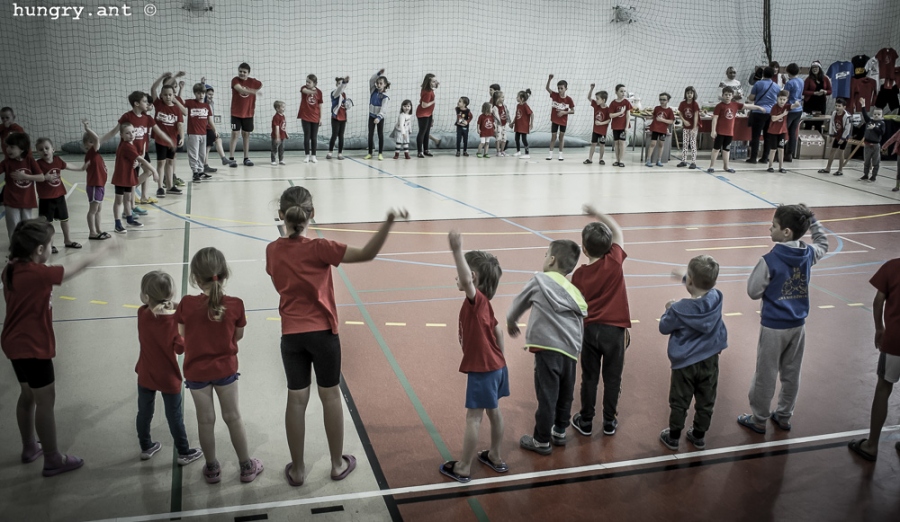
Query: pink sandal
{"x": 212, "y": 473}
{"x": 70, "y": 463}
{"x": 31, "y": 453}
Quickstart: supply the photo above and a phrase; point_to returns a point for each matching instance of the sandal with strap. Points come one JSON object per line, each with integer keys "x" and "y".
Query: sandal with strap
{"x": 856, "y": 447}
{"x": 484, "y": 458}
{"x": 69, "y": 463}
{"x": 446, "y": 469}
{"x": 73, "y": 244}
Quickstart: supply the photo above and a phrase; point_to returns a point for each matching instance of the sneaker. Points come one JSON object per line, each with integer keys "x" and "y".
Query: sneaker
{"x": 206, "y": 168}
{"x": 783, "y": 171}
{"x": 212, "y": 473}
{"x": 699, "y": 443}
{"x": 750, "y": 160}
{"x": 609, "y": 427}
{"x": 549, "y": 156}
{"x": 274, "y": 163}
{"x": 560, "y": 156}
{"x": 250, "y": 470}
{"x": 180, "y": 182}
{"x": 306, "y": 159}
{"x": 659, "y": 164}
{"x": 134, "y": 223}
{"x": 872, "y": 179}
{"x": 176, "y": 191}
{"x": 668, "y": 441}
{"x": 527, "y": 442}
{"x": 558, "y": 439}
{"x": 340, "y": 156}
{"x": 478, "y": 155}
{"x": 139, "y": 211}
{"x": 192, "y": 455}
{"x": 148, "y": 453}
{"x": 895, "y": 189}
{"x": 328, "y": 156}
{"x": 420, "y": 155}
{"x": 119, "y": 228}
{"x": 465, "y": 154}
{"x": 864, "y": 178}
{"x": 525, "y": 156}
{"x": 313, "y": 159}
{"x": 204, "y": 175}
{"x": 197, "y": 178}
{"x": 584, "y": 428}
{"x": 380, "y": 157}
{"x": 233, "y": 164}
{"x": 160, "y": 192}
{"x": 368, "y": 156}
{"x": 692, "y": 166}
{"x": 428, "y": 154}
{"x": 457, "y": 154}
{"x": 838, "y": 173}
{"x": 648, "y": 164}
{"x": 247, "y": 162}
{"x": 682, "y": 164}
{"x": 587, "y": 162}
{"x": 485, "y": 155}
{"x": 281, "y": 162}
{"x": 783, "y": 425}
{"x": 518, "y": 153}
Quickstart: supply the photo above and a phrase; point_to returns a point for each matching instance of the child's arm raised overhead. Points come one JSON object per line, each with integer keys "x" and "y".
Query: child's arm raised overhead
{"x": 463, "y": 272}
{"x": 92, "y": 134}
{"x": 547, "y": 87}
{"x": 591, "y": 92}
{"x": 154, "y": 89}
{"x": 368, "y": 252}
{"x": 618, "y": 237}
{"x": 108, "y": 136}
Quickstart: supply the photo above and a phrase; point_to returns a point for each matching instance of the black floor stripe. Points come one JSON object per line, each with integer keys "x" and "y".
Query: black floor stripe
{"x": 329, "y": 509}
{"x": 613, "y": 474}
{"x": 380, "y": 479}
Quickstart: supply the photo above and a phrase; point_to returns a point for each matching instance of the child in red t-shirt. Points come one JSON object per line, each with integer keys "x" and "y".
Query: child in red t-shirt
{"x": 95, "y": 181}
{"x": 620, "y": 114}
{"x": 561, "y": 106}
{"x": 157, "y": 366}
{"x": 722, "y": 128}
{"x": 886, "y": 306}
{"x": 663, "y": 116}
{"x": 689, "y": 111}
{"x": 483, "y": 362}
{"x": 28, "y": 340}
{"x": 8, "y": 126}
{"x": 300, "y": 268}
{"x": 52, "y": 192}
{"x": 500, "y": 112}
{"x": 310, "y": 115}
{"x": 212, "y": 324}
{"x": 601, "y": 124}
{"x": 198, "y": 115}
{"x": 170, "y": 115}
{"x": 524, "y": 122}
{"x": 777, "y": 129}
{"x": 20, "y": 172}
{"x": 125, "y": 178}
{"x": 602, "y": 283}
{"x": 485, "y": 130}
{"x": 279, "y": 134}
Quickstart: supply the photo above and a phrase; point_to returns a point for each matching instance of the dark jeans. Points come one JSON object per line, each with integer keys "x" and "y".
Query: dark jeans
{"x": 462, "y": 138}
{"x": 337, "y": 133}
{"x": 758, "y": 123}
{"x": 375, "y": 123}
{"x": 424, "y": 131}
{"x": 174, "y": 416}
{"x": 524, "y": 138}
{"x": 602, "y": 353}
{"x": 793, "y": 128}
{"x": 554, "y": 385}
{"x": 310, "y": 136}
{"x": 698, "y": 381}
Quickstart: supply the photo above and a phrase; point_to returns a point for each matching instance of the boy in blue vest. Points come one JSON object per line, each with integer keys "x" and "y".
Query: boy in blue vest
{"x": 781, "y": 280}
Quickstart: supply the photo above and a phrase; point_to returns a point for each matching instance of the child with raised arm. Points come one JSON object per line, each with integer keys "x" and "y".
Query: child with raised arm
{"x": 602, "y": 283}
{"x": 378, "y": 102}
{"x": 697, "y": 335}
{"x": 554, "y": 336}
{"x": 51, "y": 191}
{"x": 524, "y": 122}
{"x": 561, "y": 106}
{"x": 339, "y": 105}
{"x": 20, "y": 172}
{"x": 95, "y": 181}
{"x": 463, "y": 119}
{"x": 601, "y": 124}
{"x": 663, "y": 116}
{"x": 620, "y": 114}
{"x": 839, "y": 129}
{"x": 170, "y": 118}
{"x": 872, "y": 141}
{"x": 781, "y": 280}
{"x": 310, "y": 115}
{"x": 279, "y": 134}
{"x": 157, "y": 366}
{"x": 483, "y": 362}
{"x": 689, "y": 110}
{"x": 722, "y": 128}
{"x": 28, "y": 340}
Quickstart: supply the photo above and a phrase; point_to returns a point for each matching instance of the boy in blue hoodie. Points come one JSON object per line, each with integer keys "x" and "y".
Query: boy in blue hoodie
{"x": 554, "y": 335}
{"x": 696, "y": 336}
{"x": 781, "y": 280}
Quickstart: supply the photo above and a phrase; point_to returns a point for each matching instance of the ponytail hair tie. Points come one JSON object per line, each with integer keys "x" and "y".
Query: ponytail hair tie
{"x": 215, "y": 278}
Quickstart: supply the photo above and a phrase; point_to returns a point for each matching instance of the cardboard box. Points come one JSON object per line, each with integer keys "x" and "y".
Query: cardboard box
{"x": 811, "y": 144}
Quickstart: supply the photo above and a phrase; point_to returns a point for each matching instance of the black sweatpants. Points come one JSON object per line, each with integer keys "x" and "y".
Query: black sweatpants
{"x": 698, "y": 382}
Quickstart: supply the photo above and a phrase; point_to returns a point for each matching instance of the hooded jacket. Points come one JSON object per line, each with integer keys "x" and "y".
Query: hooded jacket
{"x": 556, "y": 321}
{"x": 695, "y": 329}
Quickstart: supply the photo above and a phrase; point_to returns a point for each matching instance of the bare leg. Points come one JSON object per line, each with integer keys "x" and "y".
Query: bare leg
{"x": 45, "y": 421}
{"x": 591, "y": 152}
{"x": 231, "y": 415}
{"x": 496, "y": 434}
{"x": 713, "y": 157}
{"x": 246, "y": 136}
{"x": 64, "y": 225}
{"x": 650, "y": 150}
{"x": 97, "y": 206}
{"x": 233, "y": 144}
{"x": 119, "y": 206}
{"x": 552, "y": 142}
{"x": 25, "y": 414}
{"x": 562, "y": 141}
{"x": 879, "y": 414}
{"x": 470, "y": 440}
{"x": 334, "y": 426}
{"x": 726, "y": 154}
{"x": 206, "y": 422}
{"x": 161, "y": 182}
{"x": 295, "y": 425}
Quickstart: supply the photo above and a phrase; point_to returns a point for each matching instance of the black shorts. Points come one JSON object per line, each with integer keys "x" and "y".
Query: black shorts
{"x": 122, "y": 190}
{"x": 722, "y": 142}
{"x": 775, "y": 141}
{"x": 658, "y": 136}
{"x": 838, "y": 144}
{"x": 163, "y": 152}
{"x": 620, "y": 135}
{"x": 598, "y": 138}
{"x": 888, "y": 98}
{"x": 54, "y": 208}
{"x": 37, "y": 373}
{"x": 210, "y": 137}
{"x": 319, "y": 350}
{"x": 241, "y": 124}
{"x": 557, "y": 127}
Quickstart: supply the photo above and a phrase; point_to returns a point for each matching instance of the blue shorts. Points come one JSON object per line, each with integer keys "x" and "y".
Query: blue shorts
{"x": 198, "y": 385}
{"x": 485, "y": 389}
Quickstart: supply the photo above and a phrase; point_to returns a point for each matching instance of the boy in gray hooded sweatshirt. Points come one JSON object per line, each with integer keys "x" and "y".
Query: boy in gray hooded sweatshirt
{"x": 554, "y": 335}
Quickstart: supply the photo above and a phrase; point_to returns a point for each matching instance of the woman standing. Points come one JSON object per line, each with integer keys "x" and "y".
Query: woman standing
{"x": 816, "y": 90}
{"x": 424, "y": 112}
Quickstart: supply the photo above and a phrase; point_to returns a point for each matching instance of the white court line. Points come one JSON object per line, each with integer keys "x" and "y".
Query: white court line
{"x": 425, "y": 488}
{"x": 857, "y": 242}
{"x": 172, "y": 264}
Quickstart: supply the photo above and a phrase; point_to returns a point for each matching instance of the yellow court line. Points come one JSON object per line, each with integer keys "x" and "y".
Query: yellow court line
{"x": 76, "y": 185}
{"x": 724, "y": 248}
{"x": 99, "y": 302}
{"x": 521, "y": 325}
{"x": 732, "y": 314}
{"x": 131, "y": 306}
{"x": 825, "y": 307}
{"x": 435, "y": 324}
{"x": 395, "y": 324}
{"x": 273, "y": 318}
{"x": 354, "y": 322}
{"x": 856, "y": 304}
{"x": 67, "y": 298}
{"x": 859, "y": 217}
{"x": 634, "y": 321}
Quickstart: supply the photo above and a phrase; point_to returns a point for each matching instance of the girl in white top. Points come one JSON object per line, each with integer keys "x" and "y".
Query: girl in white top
{"x": 402, "y": 129}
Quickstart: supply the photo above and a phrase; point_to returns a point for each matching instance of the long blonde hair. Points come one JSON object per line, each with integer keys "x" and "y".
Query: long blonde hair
{"x": 159, "y": 288}
{"x": 209, "y": 272}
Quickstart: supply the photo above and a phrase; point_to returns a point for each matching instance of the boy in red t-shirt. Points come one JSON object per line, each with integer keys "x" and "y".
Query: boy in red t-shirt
{"x": 722, "y": 128}
{"x": 169, "y": 116}
{"x": 243, "y": 106}
{"x": 52, "y": 193}
{"x": 663, "y": 116}
{"x": 95, "y": 181}
{"x": 886, "y": 306}
{"x": 601, "y": 124}
{"x": 602, "y": 283}
{"x": 279, "y": 133}
{"x": 777, "y": 129}
{"x": 619, "y": 113}
{"x": 125, "y": 177}
{"x": 561, "y": 107}
{"x": 199, "y": 125}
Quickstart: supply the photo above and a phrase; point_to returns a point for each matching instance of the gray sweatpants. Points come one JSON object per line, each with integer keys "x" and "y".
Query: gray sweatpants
{"x": 196, "y": 151}
{"x": 871, "y": 158}
{"x": 778, "y": 352}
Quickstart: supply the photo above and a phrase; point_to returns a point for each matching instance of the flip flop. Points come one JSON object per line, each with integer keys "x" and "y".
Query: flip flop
{"x": 73, "y": 244}
{"x": 351, "y": 465}
{"x": 484, "y": 458}
{"x": 447, "y": 470}
{"x": 71, "y": 463}
{"x": 856, "y": 446}
{"x": 287, "y": 475}
{"x": 104, "y": 235}
{"x": 746, "y": 421}
{"x": 54, "y": 250}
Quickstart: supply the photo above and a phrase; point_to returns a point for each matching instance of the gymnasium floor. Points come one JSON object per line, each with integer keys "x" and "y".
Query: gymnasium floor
{"x": 404, "y": 396}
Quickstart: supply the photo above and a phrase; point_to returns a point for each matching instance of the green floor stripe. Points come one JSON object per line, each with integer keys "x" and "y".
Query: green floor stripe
{"x": 185, "y": 274}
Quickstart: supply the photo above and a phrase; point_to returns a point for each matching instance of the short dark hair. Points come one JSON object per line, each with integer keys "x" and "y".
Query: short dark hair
{"x": 793, "y": 69}
{"x": 488, "y": 270}
{"x": 774, "y": 65}
{"x": 199, "y": 87}
{"x": 244, "y": 65}
{"x": 566, "y": 253}
{"x": 768, "y": 72}
{"x": 840, "y": 101}
{"x": 20, "y": 140}
{"x": 784, "y": 94}
{"x": 562, "y": 83}
{"x": 727, "y": 90}
{"x": 495, "y": 86}
{"x": 704, "y": 270}
{"x": 135, "y": 97}
{"x": 667, "y": 95}
{"x": 621, "y": 85}
{"x": 603, "y": 95}
{"x": 9, "y": 110}
{"x": 465, "y": 99}
{"x": 596, "y": 238}
{"x": 797, "y": 218}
